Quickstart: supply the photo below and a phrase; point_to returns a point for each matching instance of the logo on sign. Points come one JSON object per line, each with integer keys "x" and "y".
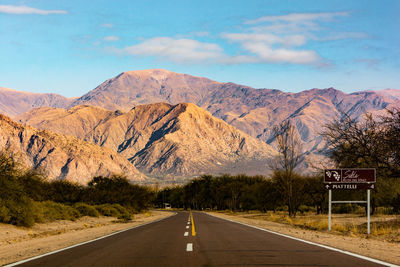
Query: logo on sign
{"x": 333, "y": 174}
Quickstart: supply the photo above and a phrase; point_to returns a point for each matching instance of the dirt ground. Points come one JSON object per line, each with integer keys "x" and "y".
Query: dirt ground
{"x": 18, "y": 243}
{"x": 388, "y": 251}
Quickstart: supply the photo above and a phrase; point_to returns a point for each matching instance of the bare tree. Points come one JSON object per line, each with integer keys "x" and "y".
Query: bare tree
{"x": 290, "y": 153}
{"x": 358, "y": 143}
{"x": 369, "y": 142}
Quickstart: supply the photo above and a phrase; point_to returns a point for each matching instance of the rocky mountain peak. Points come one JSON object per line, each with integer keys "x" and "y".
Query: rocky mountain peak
{"x": 62, "y": 157}
{"x": 164, "y": 140}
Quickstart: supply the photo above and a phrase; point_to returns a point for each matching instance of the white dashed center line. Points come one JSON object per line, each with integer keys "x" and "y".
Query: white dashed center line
{"x": 186, "y": 234}
{"x": 189, "y": 247}
{"x": 187, "y": 227}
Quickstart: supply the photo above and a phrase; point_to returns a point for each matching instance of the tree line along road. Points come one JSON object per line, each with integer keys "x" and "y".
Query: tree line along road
{"x": 197, "y": 239}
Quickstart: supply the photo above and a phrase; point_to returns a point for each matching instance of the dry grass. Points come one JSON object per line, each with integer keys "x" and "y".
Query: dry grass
{"x": 348, "y": 231}
{"x": 384, "y": 227}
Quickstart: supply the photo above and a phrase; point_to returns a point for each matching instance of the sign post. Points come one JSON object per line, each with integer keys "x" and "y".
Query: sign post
{"x": 350, "y": 179}
{"x": 368, "y": 210}
{"x": 330, "y": 209}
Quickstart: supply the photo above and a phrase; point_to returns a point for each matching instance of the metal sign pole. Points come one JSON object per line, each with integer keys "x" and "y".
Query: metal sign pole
{"x": 368, "y": 210}
{"x": 330, "y": 209}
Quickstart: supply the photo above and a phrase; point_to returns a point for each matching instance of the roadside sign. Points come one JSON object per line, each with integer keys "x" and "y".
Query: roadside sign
{"x": 350, "y": 179}
{"x": 351, "y": 176}
{"x": 346, "y": 186}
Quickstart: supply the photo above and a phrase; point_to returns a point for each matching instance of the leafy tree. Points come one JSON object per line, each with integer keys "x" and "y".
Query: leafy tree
{"x": 316, "y": 195}
{"x": 118, "y": 190}
{"x": 35, "y": 185}
{"x": 297, "y": 195}
{"x": 64, "y": 191}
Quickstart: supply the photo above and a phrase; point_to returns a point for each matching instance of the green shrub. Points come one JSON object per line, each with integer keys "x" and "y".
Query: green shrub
{"x": 86, "y": 210}
{"x": 17, "y": 212}
{"x": 396, "y": 204}
{"x": 4, "y": 214}
{"x": 124, "y": 213}
{"x": 120, "y": 208}
{"x": 348, "y": 208}
{"x": 108, "y": 210}
{"x": 114, "y": 210}
{"x": 125, "y": 217}
{"x": 38, "y": 212}
{"x": 16, "y": 206}
{"x": 56, "y": 211}
{"x": 304, "y": 209}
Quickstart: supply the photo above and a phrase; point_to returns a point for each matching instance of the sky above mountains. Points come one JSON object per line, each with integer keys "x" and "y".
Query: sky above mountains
{"x": 70, "y": 47}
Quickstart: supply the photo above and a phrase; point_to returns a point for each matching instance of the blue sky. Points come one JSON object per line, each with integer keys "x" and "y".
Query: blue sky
{"x": 70, "y": 47}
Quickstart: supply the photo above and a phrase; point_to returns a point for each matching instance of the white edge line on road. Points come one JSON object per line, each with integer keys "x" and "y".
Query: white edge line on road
{"x": 186, "y": 234}
{"x": 312, "y": 243}
{"x": 83, "y": 243}
{"x": 189, "y": 247}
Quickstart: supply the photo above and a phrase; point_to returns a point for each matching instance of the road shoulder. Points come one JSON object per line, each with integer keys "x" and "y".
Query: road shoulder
{"x": 21, "y": 243}
{"x": 381, "y": 250}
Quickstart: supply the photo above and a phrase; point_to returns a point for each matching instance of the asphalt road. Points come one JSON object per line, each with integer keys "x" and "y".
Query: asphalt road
{"x": 216, "y": 242}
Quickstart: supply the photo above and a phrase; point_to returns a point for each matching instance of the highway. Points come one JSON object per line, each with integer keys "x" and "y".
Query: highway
{"x": 202, "y": 240}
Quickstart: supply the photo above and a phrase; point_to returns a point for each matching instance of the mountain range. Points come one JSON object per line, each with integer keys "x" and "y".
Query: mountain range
{"x": 146, "y": 117}
{"x": 60, "y": 156}
{"x": 160, "y": 139}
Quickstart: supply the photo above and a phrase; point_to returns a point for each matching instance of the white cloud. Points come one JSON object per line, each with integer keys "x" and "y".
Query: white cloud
{"x": 342, "y": 35}
{"x": 257, "y": 49}
{"x": 299, "y": 17}
{"x": 288, "y": 28}
{"x": 267, "y": 38}
{"x": 294, "y": 22}
{"x": 177, "y": 50}
{"x": 265, "y": 54}
{"x": 21, "y": 10}
{"x": 111, "y": 38}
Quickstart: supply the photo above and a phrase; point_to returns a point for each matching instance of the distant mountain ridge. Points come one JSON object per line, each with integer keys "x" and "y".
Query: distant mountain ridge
{"x": 391, "y": 93}
{"x": 160, "y": 139}
{"x": 132, "y": 88}
{"x": 13, "y": 103}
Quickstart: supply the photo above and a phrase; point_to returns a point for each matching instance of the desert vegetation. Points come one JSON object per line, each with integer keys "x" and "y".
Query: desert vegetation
{"x": 246, "y": 193}
{"x": 26, "y": 197}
